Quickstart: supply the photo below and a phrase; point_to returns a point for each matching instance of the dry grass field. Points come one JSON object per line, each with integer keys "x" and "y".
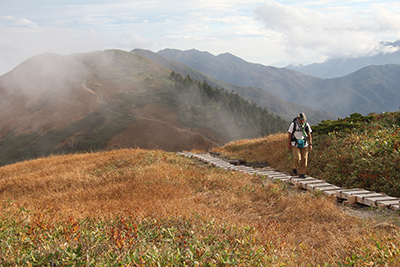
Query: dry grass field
{"x": 134, "y": 207}
{"x": 272, "y": 150}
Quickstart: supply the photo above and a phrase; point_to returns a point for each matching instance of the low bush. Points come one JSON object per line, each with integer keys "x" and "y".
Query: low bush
{"x": 365, "y": 155}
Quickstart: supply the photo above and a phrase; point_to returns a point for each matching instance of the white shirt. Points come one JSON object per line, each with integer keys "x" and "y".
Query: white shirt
{"x": 299, "y": 134}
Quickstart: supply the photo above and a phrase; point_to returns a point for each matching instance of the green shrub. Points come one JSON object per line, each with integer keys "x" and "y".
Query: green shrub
{"x": 364, "y": 156}
{"x": 347, "y": 124}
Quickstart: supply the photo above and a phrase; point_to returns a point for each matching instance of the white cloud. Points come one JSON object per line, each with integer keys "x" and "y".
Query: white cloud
{"x": 21, "y": 23}
{"x": 96, "y": 20}
{"x": 345, "y": 34}
{"x": 8, "y": 17}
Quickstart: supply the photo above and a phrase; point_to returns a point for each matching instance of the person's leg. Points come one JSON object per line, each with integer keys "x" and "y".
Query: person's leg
{"x": 304, "y": 160}
{"x": 296, "y": 158}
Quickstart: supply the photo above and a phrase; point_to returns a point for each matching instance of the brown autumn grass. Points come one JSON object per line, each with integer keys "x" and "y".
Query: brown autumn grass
{"x": 297, "y": 229}
{"x": 272, "y": 150}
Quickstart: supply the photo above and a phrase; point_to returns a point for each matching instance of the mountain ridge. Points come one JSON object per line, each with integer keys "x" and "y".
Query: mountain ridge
{"x": 342, "y": 96}
{"x": 259, "y": 96}
{"x": 339, "y": 67}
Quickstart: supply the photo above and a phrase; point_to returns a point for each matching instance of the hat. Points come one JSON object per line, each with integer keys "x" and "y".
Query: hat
{"x": 301, "y": 116}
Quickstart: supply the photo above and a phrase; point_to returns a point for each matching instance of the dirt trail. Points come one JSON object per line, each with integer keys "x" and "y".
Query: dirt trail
{"x": 92, "y": 91}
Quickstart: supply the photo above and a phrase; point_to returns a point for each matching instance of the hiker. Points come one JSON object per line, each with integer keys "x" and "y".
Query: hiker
{"x": 300, "y": 142}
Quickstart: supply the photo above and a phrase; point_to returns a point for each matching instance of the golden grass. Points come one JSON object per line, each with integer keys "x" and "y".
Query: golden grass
{"x": 271, "y": 149}
{"x": 130, "y": 181}
{"x": 296, "y": 228}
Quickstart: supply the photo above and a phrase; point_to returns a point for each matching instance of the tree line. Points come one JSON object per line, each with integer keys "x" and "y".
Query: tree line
{"x": 224, "y": 112}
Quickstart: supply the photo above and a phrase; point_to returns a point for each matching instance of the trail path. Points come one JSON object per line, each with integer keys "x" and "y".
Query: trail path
{"x": 351, "y": 196}
{"x": 85, "y": 86}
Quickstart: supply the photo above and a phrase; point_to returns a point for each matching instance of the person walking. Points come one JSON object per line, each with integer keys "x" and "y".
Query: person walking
{"x": 300, "y": 142}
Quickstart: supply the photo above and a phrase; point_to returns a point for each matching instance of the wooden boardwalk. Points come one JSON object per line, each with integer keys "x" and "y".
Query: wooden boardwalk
{"x": 352, "y": 196}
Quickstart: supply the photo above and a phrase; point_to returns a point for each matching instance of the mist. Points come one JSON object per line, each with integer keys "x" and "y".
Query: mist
{"x": 45, "y": 92}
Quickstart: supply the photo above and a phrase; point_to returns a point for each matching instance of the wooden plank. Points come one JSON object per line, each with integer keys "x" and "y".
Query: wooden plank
{"x": 242, "y": 168}
{"x": 314, "y": 187}
{"x": 382, "y": 198}
{"x": 346, "y": 194}
{"x": 286, "y": 178}
{"x": 325, "y": 184}
{"x": 373, "y": 201}
{"x": 274, "y": 174}
{"x": 360, "y": 197}
{"x": 392, "y": 202}
{"x": 277, "y": 173}
{"x": 223, "y": 165}
{"x": 278, "y": 176}
{"x": 311, "y": 181}
{"x": 328, "y": 188}
{"x": 330, "y": 193}
{"x": 306, "y": 183}
{"x": 352, "y": 189}
{"x": 297, "y": 179}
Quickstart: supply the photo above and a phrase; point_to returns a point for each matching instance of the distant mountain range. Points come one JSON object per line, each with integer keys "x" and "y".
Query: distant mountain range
{"x": 370, "y": 89}
{"x": 261, "y": 97}
{"x": 338, "y": 67}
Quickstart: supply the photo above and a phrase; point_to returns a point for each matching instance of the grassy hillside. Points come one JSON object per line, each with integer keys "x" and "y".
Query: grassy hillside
{"x": 116, "y": 99}
{"x": 135, "y": 207}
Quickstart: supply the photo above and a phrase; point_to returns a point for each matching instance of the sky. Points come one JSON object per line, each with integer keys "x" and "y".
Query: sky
{"x": 271, "y": 32}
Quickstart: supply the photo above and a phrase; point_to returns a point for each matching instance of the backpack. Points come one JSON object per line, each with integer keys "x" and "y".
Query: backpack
{"x": 305, "y": 131}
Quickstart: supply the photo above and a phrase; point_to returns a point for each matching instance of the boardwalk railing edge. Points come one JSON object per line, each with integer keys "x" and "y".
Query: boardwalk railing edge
{"x": 311, "y": 184}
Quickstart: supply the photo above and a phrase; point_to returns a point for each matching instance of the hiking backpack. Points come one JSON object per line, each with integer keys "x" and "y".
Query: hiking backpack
{"x": 297, "y": 125}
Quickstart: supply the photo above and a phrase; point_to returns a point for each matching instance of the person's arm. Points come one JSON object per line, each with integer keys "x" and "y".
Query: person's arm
{"x": 310, "y": 141}
{"x": 290, "y": 141}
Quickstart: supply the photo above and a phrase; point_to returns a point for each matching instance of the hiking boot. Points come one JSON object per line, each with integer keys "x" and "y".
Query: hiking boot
{"x": 294, "y": 171}
{"x": 302, "y": 176}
